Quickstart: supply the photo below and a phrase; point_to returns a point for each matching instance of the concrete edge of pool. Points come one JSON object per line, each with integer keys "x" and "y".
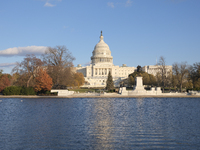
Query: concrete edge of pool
{"x": 101, "y": 96}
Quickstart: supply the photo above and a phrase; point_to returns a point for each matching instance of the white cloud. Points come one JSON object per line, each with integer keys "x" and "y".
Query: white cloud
{"x": 5, "y": 65}
{"x": 22, "y": 51}
{"x": 47, "y": 4}
{"x": 111, "y": 4}
{"x": 128, "y": 3}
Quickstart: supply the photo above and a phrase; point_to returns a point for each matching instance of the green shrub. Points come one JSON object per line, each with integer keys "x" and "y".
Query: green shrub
{"x": 111, "y": 91}
{"x": 47, "y": 93}
{"x": 12, "y": 90}
{"x": 197, "y": 89}
{"x": 27, "y": 91}
{"x": 17, "y": 90}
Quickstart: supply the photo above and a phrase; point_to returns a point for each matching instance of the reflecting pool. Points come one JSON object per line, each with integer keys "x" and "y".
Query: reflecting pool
{"x": 99, "y": 123}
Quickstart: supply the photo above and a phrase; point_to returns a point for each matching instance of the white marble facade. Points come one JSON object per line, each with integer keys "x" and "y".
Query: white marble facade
{"x": 154, "y": 69}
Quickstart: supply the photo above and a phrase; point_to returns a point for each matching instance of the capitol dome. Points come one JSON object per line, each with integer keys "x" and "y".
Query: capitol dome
{"x": 101, "y": 52}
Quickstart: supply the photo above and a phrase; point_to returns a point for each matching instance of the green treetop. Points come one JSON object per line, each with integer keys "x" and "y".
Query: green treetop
{"x": 109, "y": 82}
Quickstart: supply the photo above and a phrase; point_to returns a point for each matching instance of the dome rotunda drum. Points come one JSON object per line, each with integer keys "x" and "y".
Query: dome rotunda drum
{"x": 101, "y": 52}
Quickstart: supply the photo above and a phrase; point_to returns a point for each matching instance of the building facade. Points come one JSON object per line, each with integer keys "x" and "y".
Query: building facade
{"x": 154, "y": 69}
{"x": 101, "y": 64}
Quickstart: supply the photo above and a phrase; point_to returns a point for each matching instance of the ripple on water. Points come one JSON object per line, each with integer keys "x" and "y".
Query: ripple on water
{"x": 100, "y": 123}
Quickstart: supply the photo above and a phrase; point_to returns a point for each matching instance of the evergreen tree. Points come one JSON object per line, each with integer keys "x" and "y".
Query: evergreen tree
{"x": 109, "y": 82}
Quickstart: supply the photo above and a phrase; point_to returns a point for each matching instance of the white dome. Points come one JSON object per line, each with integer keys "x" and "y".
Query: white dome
{"x": 101, "y": 52}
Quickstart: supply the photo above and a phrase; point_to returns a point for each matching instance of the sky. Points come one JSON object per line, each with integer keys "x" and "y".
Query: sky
{"x": 138, "y": 32}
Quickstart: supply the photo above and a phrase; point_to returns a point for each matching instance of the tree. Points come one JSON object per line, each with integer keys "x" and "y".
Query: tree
{"x": 148, "y": 79}
{"x": 43, "y": 81}
{"x": 194, "y": 74}
{"x": 22, "y": 79}
{"x": 1, "y": 72}
{"x": 174, "y": 81}
{"x": 4, "y": 82}
{"x": 109, "y": 82}
{"x": 131, "y": 80}
{"x": 59, "y": 62}
{"x": 180, "y": 71}
{"x": 27, "y": 70}
{"x": 15, "y": 77}
{"x": 152, "y": 80}
{"x": 78, "y": 79}
{"x": 163, "y": 72}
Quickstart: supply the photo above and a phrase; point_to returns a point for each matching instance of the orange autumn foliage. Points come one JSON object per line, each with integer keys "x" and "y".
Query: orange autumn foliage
{"x": 43, "y": 81}
{"x": 4, "y": 82}
{"x": 78, "y": 79}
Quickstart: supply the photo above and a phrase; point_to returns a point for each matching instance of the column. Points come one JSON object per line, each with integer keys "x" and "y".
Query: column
{"x": 106, "y": 70}
{"x": 94, "y": 69}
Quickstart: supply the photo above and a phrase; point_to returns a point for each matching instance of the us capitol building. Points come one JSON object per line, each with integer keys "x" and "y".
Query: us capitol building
{"x": 96, "y": 73}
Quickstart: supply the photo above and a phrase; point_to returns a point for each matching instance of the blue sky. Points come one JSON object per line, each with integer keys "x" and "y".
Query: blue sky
{"x": 137, "y": 31}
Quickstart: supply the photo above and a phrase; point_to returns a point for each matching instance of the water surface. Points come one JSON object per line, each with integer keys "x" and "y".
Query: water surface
{"x": 99, "y": 123}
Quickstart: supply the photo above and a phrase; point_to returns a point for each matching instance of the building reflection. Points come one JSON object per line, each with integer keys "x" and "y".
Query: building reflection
{"x": 103, "y": 125}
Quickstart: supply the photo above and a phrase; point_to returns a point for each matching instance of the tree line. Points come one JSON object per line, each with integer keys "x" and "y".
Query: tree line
{"x": 54, "y": 69}
{"x": 182, "y": 76}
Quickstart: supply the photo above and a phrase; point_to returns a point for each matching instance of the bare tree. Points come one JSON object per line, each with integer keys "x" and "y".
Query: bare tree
{"x": 194, "y": 74}
{"x": 59, "y": 61}
{"x": 58, "y": 56}
{"x": 163, "y": 72}
{"x": 27, "y": 69}
{"x": 180, "y": 71}
{"x": 174, "y": 81}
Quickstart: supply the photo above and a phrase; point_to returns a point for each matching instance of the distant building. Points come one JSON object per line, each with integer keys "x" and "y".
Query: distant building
{"x": 154, "y": 69}
{"x": 101, "y": 63}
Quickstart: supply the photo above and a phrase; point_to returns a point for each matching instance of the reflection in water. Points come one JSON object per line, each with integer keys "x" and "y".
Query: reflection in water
{"x": 101, "y": 123}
